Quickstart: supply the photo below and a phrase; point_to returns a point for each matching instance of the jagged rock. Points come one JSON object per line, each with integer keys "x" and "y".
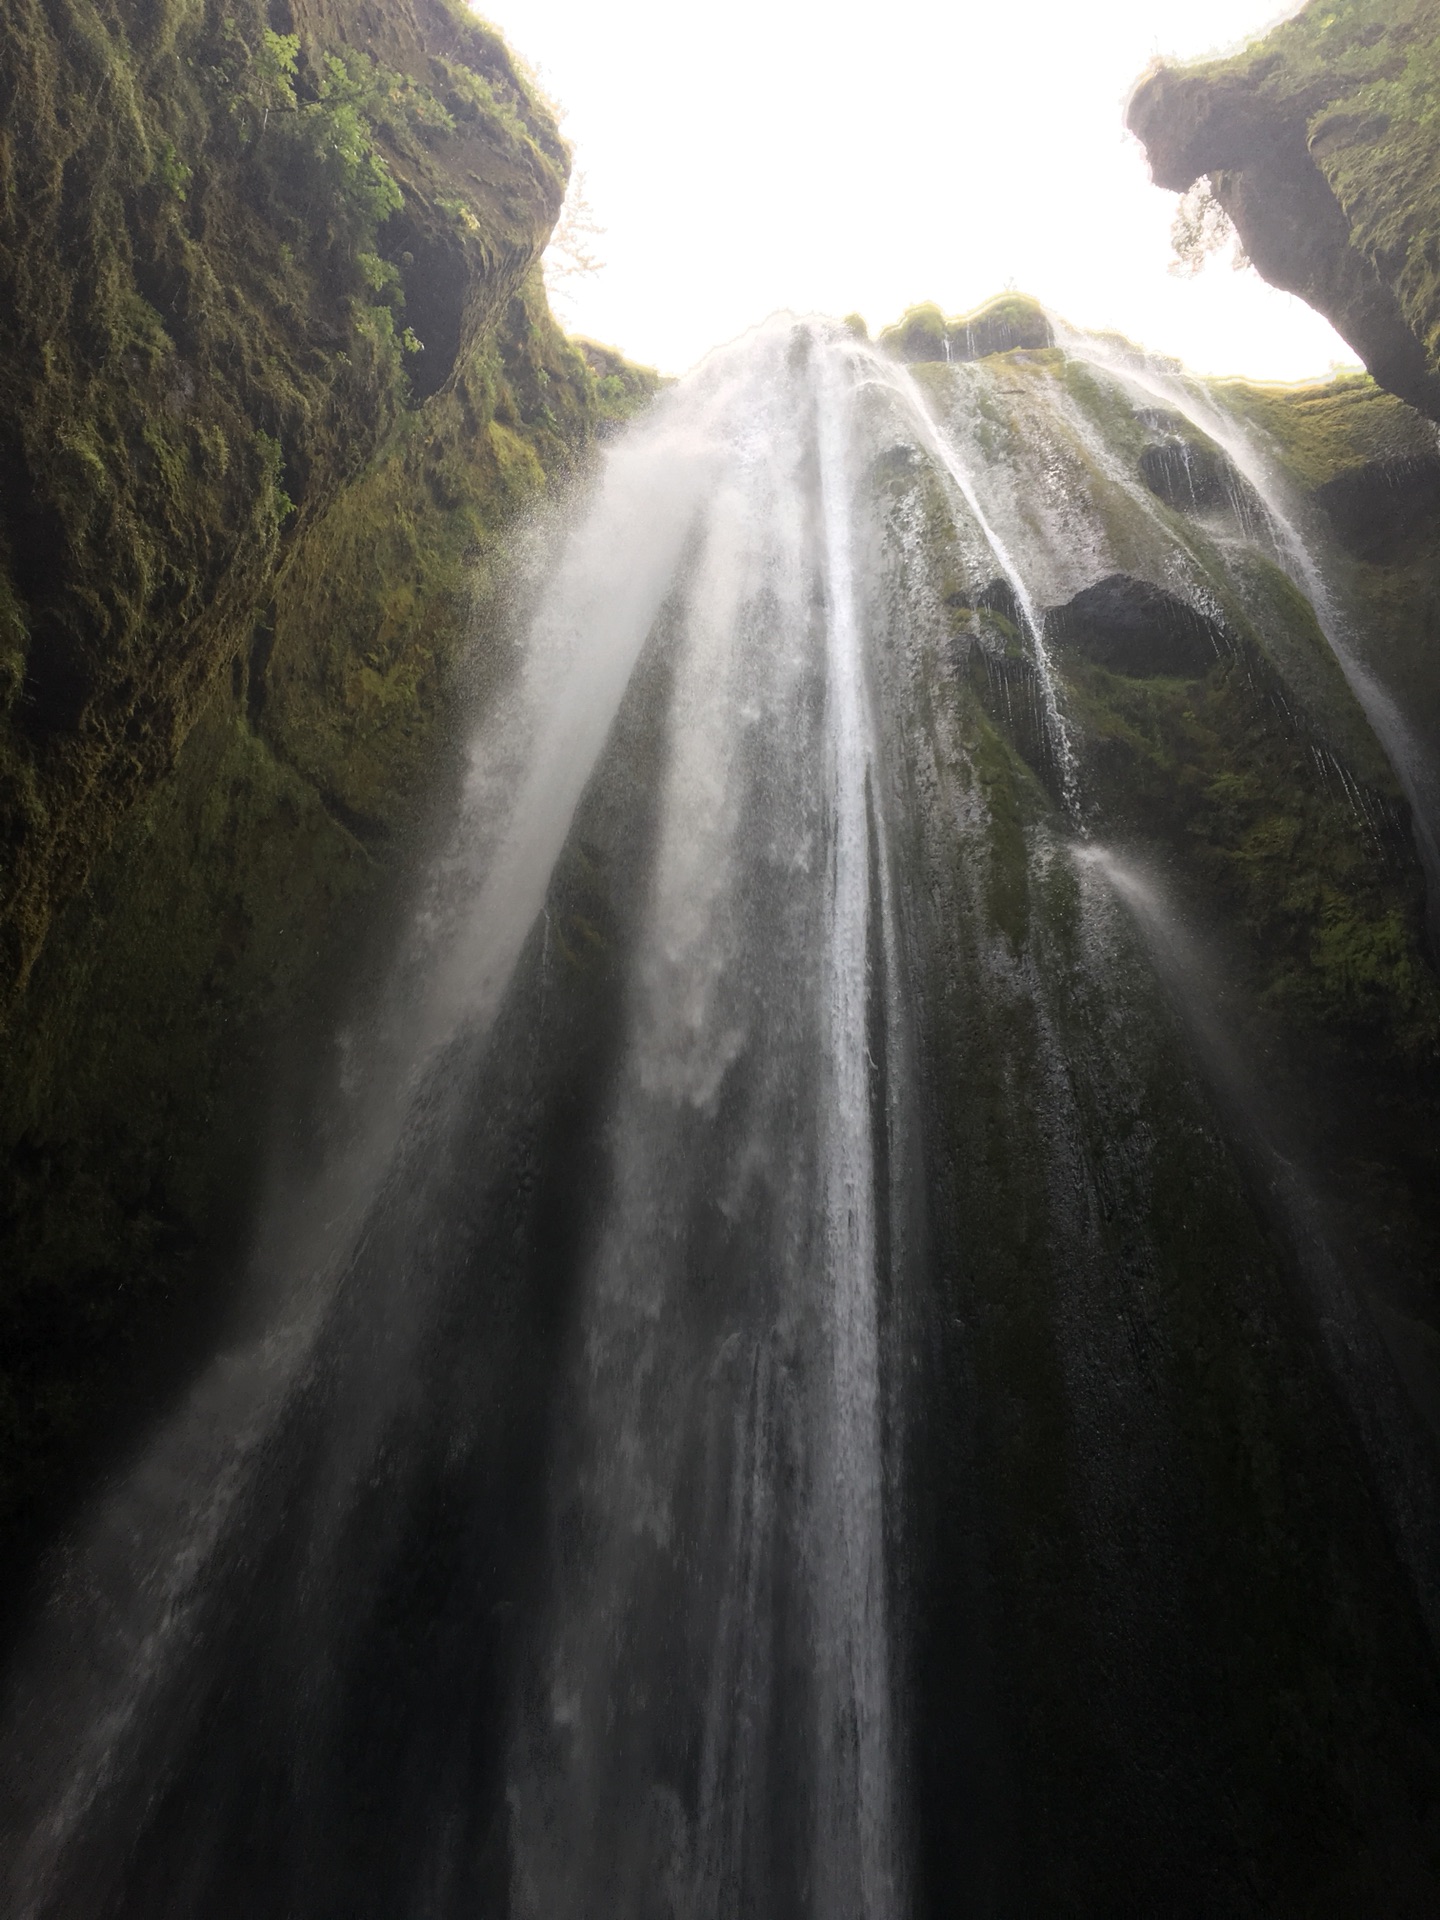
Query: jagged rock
{"x": 1133, "y": 627}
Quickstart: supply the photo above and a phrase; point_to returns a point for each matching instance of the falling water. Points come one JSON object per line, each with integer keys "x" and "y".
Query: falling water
{"x": 709, "y": 1727}
{"x": 708, "y": 1724}
{"x": 540, "y": 1542}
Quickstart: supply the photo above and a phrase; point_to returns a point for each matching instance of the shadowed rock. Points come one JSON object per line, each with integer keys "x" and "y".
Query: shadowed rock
{"x": 1387, "y": 511}
{"x": 1185, "y": 475}
{"x": 1134, "y": 627}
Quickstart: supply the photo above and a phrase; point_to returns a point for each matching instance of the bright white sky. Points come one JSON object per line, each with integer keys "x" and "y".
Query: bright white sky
{"x": 779, "y": 153}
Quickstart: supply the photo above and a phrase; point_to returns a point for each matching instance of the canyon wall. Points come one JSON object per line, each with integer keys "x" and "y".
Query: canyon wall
{"x": 276, "y": 371}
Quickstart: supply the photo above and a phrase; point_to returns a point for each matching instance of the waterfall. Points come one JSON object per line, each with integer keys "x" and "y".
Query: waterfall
{"x": 722, "y": 1487}
{"x": 787, "y": 1327}
{"x": 708, "y": 1719}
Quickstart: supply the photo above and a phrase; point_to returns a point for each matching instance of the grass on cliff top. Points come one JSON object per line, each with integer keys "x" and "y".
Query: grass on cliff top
{"x": 1335, "y": 49}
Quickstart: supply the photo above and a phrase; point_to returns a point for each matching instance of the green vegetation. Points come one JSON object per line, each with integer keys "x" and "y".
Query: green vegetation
{"x": 235, "y": 253}
{"x": 1103, "y": 1273}
{"x": 1333, "y": 927}
{"x": 1322, "y": 430}
{"x": 1351, "y": 431}
{"x": 1365, "y": 76}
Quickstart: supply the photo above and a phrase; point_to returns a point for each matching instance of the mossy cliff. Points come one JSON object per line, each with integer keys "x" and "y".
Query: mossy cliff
{"x": 1205, "y": 704}
{"x": 1320, "y": 143}
{"x": 276, "y": 370}
{"x": 1210, "y": 720}
{"x": 1367, "y": 467}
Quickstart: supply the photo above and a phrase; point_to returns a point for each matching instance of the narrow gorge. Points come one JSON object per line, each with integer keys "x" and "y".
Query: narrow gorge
{"x": 722, "y": 1096}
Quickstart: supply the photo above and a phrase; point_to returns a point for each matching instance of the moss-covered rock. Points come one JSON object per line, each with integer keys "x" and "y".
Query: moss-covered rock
{"x": 1135, "y": 628}
{"x": 1320, "y": 143}
{"x": 1364, "y": 460}
{"x": 277, "y": 372}
{"x": 1116, "y": 1384}
{"x": 223, "y": 291}
{"x": 1002, "y": 325}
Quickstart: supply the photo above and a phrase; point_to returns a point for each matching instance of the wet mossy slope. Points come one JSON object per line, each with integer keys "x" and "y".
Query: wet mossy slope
{"x": 276, "y": 370}
{"x": 1368, "y": 467}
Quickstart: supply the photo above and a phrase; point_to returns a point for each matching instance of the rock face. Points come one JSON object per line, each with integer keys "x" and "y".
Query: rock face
{"x": 222, "y": 297}
{"x": 1387, "y": 511}
{"x": 1318, "y": 143}
{"x": 1135, "y": 627}
{"x": 276, "y": 369}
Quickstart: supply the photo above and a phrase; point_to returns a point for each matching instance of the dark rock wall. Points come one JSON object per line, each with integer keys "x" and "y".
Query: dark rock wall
{"x": 276, "y": 369}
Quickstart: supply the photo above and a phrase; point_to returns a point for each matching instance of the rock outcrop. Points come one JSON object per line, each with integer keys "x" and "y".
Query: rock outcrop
{"x": 1136, "y": 628}
{"x": 1319, "y": 143}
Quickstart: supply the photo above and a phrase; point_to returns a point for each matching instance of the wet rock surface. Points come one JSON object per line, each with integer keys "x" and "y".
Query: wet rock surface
{"x": 1387, "y": 511}
{"x": 1189, "y": 476}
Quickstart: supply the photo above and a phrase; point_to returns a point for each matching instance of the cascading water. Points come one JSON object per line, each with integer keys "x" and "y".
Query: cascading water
{"x": 709, "y": 1721}
{"x": 785, "y": 1333}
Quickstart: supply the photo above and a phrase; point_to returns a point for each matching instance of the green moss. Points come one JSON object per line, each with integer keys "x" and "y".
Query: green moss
{"x": 1330, "y": 917}
{"x": 1321, "y": 430}
{"x": 1011, "y": 321}
{"x": 235, "y": 254}
{"x": 1322, "y": 434}
{"x": 919, "y": 334}
{"x": 622, "y": 389}
{"x": 1010, "y": 797}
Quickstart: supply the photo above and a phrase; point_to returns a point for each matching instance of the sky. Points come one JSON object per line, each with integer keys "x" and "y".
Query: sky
{"x": 773, "y": 154}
